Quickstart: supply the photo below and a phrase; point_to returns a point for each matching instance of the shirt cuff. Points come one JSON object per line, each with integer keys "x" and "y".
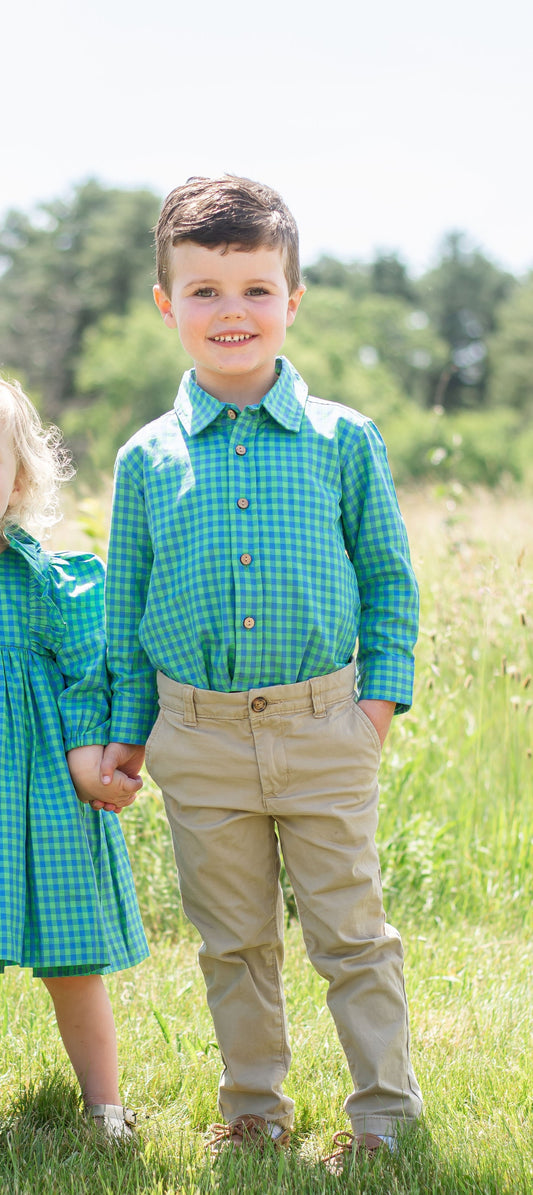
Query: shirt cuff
{"x": 98, "y": 736}
{"x": 132, "y": 722}
{"x": 385, "y": 679}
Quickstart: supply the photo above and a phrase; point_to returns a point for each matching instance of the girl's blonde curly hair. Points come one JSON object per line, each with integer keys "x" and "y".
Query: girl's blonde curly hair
{"x": 43, "y": 463}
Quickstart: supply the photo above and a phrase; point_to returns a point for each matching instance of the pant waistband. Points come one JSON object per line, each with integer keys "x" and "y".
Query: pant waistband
{"x": 308, "y": 696}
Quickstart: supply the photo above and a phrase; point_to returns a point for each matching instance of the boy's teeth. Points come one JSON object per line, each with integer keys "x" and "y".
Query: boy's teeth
{"x": 229, "y": 339}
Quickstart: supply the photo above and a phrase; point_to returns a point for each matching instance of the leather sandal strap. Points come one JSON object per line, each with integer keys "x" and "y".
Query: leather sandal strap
{"x": 112, "y": 1112}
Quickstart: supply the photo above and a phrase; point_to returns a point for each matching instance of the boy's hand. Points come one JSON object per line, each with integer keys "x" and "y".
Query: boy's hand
{"x": 84, "y": 765}
{"x": 127, "y": 757}
{"x": 380, "y": 714}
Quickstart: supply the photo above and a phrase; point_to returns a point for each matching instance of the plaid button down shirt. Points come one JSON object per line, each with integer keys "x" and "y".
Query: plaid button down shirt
{"x": 253, "y": 548}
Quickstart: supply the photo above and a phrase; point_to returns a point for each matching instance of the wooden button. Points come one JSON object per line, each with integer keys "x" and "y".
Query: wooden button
{"x": 248, "y": 622}
{"x": 240, "y": 450}
{"x": 243, "y": 503}
{"x": 245, "y": 558}
{"x": 259, "y": 704}
{"x": 231, "y": 413}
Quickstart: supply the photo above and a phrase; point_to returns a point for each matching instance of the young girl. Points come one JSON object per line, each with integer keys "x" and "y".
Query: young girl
{"x": 67, "y": 899}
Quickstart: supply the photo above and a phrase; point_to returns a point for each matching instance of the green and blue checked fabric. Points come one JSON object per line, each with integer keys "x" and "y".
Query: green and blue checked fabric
{"x": 67, "y": 898}
{"x": 256, "y": 547}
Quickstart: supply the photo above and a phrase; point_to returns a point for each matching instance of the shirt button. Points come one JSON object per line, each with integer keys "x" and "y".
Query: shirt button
{"x": 246, "y": 558}
{"x": 259, "y": 704}
{"x": 231, "y": 413}
{"x": 248, "y": 622}
{"x": 240, "y": 450}
{"x": 243, "y": 503}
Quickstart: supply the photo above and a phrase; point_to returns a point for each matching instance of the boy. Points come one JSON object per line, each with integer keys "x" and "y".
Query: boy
{"x": 255, "y": 539}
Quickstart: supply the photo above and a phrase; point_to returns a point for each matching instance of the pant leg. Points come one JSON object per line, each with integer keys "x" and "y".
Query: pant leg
{"x": 227, "y": 856}
{"x": 327, "y": 819}
{"x": 313, "y": 768}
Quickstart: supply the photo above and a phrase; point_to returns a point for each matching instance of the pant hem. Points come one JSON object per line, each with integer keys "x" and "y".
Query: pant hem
{"x": 382, "y": 1126}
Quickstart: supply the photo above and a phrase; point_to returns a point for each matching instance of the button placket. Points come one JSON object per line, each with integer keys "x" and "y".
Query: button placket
{"x": 248, "y": 588}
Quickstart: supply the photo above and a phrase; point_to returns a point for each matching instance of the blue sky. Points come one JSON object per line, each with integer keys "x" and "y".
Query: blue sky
{"x": 383, "y": 125}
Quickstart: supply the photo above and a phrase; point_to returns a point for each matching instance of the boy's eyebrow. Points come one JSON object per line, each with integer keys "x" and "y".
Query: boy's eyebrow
{"x": 216, "y": 281}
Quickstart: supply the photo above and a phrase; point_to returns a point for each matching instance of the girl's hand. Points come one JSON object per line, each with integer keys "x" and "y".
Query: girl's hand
{"x": 84, "y": 765}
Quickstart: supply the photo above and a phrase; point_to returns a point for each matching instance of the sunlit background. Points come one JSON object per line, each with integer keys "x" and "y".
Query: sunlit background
{"x": 399, "y": 135}
{"x": 384, "y": 125}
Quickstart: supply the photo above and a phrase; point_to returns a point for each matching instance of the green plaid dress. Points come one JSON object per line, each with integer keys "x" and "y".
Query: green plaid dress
{"x": 67, "y": 897}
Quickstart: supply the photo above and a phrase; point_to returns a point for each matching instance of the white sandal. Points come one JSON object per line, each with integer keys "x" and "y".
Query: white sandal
{"x": 116, "y": 1122}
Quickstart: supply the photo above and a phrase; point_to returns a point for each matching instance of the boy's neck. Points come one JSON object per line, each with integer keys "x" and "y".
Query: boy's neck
{"x": 242, "y": 391}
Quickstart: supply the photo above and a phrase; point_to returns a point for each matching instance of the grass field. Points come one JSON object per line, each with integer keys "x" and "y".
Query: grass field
{"x": 456, "y": 836}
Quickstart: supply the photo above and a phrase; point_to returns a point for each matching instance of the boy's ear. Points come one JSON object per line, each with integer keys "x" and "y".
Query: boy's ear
{"x": 294, "y": 303}
{"x": 164, "y": 306}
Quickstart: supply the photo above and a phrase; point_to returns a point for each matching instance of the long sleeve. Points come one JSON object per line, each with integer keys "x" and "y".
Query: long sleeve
{"x": 377, "y": 545}
{"x": 130, "y": 557}
{"x": 76, "y": 588}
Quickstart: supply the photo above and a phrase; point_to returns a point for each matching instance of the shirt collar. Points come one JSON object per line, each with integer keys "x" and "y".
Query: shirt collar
{"x": 28, "y": 547}
{"x": 285, "y": 402}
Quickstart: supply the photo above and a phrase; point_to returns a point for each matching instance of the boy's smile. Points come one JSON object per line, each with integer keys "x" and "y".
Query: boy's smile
{"x": 232, "y": 309}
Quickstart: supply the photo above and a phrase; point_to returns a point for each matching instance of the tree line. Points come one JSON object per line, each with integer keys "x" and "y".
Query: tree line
{"x": 443, "y": 363}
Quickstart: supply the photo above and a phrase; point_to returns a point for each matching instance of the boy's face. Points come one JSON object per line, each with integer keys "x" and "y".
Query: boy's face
{"x": 231, "y": 310}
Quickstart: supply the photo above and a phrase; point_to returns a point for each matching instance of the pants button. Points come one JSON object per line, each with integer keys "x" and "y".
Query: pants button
{"x": 259, "y": 704}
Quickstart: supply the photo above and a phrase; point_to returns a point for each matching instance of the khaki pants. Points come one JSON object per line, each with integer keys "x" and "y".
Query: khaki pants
{"x": 304, "y": 758}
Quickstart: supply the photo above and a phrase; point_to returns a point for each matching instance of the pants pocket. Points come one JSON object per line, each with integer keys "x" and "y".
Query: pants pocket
{"x": 368, "y": 727}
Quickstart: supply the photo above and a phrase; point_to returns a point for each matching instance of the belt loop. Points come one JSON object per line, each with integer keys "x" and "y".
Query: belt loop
{"x": 319, "y": 709}
{"x": 189, "y": 709}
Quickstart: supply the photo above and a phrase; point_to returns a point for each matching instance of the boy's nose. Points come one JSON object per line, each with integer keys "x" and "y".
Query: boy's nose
{"x": 233, "y": 309}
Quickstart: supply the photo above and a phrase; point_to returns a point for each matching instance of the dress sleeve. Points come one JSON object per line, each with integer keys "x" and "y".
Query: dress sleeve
{"x": 76, "y": 588}
{"x": 376, "y": 542}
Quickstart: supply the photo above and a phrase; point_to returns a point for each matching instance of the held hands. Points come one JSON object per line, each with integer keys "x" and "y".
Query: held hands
{"x": 113, "y": 794}
{"x": 380, "y": 714}
{"x": 120, "y": 759}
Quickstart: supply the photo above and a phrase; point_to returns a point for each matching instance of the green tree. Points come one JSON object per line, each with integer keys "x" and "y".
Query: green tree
{"x": 352, "y": 277}
{"x": 511, "y": 352}
{"x": 128, "y": 374}
{"x": 462, "y": 295}
{"x": 359, "y": 343}
{"x": 63, "y": 269}
{"x": 389, "y": 276}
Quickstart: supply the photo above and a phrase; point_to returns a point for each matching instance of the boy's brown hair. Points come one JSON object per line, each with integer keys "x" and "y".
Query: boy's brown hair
{"x": 237, "y": 213}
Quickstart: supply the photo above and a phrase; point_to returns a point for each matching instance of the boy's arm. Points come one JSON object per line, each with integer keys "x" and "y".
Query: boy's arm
{"x": 377, "y": 545}
{"x": 134, "y": 690}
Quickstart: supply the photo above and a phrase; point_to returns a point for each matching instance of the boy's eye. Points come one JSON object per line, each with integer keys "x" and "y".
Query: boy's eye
{"x": 204, "y": 292}
{"x": 257, "y": 290}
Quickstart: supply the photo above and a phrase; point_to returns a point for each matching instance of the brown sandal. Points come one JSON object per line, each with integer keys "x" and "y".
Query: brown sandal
{"x": 245, "y": 1132}
{"x": 349, "y": 1145}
